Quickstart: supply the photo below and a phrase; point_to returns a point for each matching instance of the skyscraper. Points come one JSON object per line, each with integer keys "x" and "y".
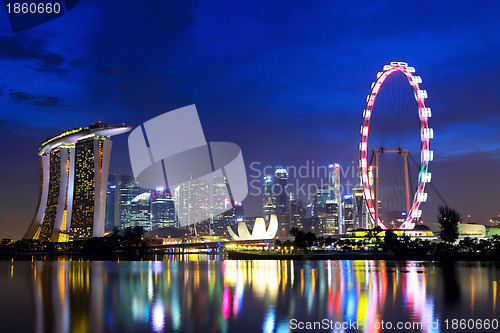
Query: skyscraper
{"x": 127, "y": 189}
{"x": 269, "y": 198}
{"x": 282, "y": 211}
{"x": 334, "y": 183}
{"x": 349, "y": 212}
{"x": 74, "y": 170}
{"x": 281, "y": 178}
{"x": 297, "y": 212}
{"x": 110, "y": 203}
{"x": 162, "y": 209}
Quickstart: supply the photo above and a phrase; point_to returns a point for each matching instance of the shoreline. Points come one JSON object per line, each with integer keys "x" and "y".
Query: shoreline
{"x": 246, "y": 255}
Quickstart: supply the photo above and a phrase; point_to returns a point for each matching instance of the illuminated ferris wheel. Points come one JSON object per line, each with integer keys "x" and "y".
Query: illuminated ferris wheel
{"x": 369, "y": 172}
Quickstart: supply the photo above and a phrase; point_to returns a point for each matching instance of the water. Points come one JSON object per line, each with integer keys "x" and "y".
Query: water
{"x": 206, "y": 295}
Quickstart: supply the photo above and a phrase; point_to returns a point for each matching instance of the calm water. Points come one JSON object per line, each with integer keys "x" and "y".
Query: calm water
{"x": 202, "y": 295}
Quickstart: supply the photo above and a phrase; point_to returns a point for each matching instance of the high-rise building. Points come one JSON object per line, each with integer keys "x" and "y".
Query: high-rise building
{"x": 220, "y": 203}
{"x": 282, "y": 211}
{"x": 281, "y": 178}
{"x": 162, "y": 209}
{"x": 336, "y": 221}
{"x": 297, "y": 212}
{"x": 111, "y": 203}
{"x": 127, "y": 189}
{"x": 331, "y": 224}
{"x": 192, "y": 201}
{"x": 325, "y": 223}
{"x": 74, "y": 170}
{"x": 140, "y": 211}
{"x": 269, "y": 198}
{"x": 349, "y": 212}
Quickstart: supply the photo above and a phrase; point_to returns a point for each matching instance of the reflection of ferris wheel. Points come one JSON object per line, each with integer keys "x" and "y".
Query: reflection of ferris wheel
{"x": 370, "y": 190}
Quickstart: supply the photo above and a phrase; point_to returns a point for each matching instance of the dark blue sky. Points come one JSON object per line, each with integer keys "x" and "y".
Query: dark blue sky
{"x": 286, "y": 80}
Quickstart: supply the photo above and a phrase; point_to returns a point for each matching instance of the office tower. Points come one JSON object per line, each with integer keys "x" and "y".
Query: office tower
{"x": 127, "y": 190}
{"x": 331, "y": 218}
{"x": 360, "y": 211}
{"x": 297, "y": 212}
{"x": 281, "y": 178}
{"x": 269, "y": 198}
{"x": 349, "y": 212}
{"x": 162, "y": 209}
{"x": 220, "y": 203}
{"x": 282, "y": 211}
{"x": 239, "y": 212}
{"x": 74, "y": 170}
{"x": 334, "y": 183}
{"x": 110, "y": 203}
{"x": 322, "y": 195}
{"x": 192, "y": 201}
{"x": 140, "y": 211}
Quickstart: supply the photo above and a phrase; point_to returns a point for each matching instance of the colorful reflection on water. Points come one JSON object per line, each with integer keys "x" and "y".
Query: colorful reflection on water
{"x": 201, "y": 295}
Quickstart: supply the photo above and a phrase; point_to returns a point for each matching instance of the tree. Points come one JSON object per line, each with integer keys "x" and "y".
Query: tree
{"x": 391, "y": 241}
{"x": 448, "y": 218}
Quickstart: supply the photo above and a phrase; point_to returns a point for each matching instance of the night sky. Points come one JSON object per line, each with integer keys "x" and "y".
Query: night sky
{"x": 285, "y": 80}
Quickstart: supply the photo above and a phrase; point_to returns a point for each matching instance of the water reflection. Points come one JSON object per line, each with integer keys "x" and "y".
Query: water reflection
{"x": 249, "y": 296}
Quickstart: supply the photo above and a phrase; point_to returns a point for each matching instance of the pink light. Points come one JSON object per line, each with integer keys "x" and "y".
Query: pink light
{"x": 420, "y": 96}
{"x": 226, "y": 303}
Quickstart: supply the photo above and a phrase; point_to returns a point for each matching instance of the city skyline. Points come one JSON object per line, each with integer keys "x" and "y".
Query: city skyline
{"x": 285, "y": 83}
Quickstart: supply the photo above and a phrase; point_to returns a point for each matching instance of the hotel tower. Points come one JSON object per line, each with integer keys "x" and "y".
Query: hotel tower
{"x": 74, "y": 170}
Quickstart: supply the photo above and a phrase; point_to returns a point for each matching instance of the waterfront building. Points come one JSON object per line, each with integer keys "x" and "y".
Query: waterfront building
{"x": 127, "y": 189}
{"x": 111, "y": 203}
{"x": 330, "y": 222}
{"x": 349, "y": 208}
{"x": 281, "y": 178}
{"x": 192, "y": 201}
{"x": 162, "y": 209}
{"x": 74, "y": 169}
{"x": 269, "y": 198}
{"x": 297, "y": 212}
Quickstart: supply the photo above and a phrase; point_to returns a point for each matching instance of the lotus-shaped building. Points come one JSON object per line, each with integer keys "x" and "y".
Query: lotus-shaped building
{"x": 259, "y": 230}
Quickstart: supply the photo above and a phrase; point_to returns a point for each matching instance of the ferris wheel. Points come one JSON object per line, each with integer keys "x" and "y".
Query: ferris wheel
{"x": 368, "y": 178}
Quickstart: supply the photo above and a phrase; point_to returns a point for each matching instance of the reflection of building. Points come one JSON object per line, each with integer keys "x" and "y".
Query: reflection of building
{"x": 74, "y": 170}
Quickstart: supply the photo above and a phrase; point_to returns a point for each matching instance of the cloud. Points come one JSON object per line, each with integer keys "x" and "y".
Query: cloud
{"x": 35, "y": 52}
{"x": 21, "y": 97}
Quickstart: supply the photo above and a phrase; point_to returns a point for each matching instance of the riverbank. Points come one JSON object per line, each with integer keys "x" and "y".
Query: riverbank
{"x": 358, "y": 255}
